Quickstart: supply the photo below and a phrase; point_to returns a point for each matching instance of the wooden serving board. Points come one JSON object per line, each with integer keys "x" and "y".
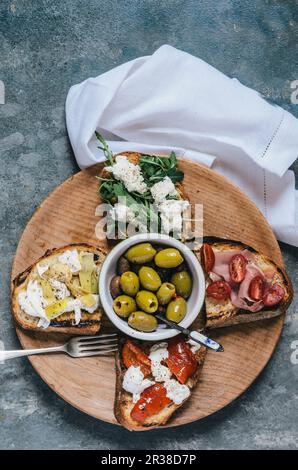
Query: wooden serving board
{"x": 68, "y": 216}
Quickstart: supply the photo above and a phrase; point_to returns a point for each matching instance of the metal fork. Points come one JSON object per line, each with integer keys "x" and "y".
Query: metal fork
{"x": 83, "y": 346}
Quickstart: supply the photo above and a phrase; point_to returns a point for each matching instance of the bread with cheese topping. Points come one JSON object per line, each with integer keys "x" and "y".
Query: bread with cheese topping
{"x": 65, "y": 322}
{"x": 124, "y": 402}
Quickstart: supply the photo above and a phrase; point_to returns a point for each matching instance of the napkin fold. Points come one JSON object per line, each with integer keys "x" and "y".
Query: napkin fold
{"x": 175, "y": 101}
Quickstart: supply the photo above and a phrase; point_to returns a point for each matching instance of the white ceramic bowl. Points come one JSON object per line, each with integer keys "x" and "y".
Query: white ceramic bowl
{"x": 194, "y": 302}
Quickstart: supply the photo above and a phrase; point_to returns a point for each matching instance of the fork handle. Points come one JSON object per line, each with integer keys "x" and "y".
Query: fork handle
{"x": 4, "y": 355}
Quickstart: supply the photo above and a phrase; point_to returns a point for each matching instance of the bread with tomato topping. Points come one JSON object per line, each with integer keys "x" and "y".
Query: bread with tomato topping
{"x": 124, "y": 402}
{"x": 221, "y": 313}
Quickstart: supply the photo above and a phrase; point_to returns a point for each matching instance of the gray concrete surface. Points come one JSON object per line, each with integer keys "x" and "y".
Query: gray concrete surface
{"x": 46, "y": 46}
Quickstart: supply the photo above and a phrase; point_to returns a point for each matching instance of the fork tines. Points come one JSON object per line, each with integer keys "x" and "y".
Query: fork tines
{"x": 98, "y": 345}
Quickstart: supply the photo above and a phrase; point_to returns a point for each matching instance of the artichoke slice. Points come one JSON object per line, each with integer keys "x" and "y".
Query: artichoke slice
{"x": 57, "y": 308}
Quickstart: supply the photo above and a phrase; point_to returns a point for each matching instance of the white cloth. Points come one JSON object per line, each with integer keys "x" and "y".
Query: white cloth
{"x": 175, "y": 101}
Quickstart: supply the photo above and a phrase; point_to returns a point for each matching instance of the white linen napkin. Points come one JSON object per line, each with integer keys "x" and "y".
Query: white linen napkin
{"x": 175, "y": 101}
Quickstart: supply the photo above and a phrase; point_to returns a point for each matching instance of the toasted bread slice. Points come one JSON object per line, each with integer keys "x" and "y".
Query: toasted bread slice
{"x": 224, "y": 313}
{"x": 64, "y": 323}
{"x": 123, "y": 400}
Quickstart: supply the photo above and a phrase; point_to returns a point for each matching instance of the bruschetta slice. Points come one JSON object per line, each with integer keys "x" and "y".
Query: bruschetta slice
{"x": 153, "y": 380}
{"x": 242, "y": 285}
{"x": 59, "y": 292}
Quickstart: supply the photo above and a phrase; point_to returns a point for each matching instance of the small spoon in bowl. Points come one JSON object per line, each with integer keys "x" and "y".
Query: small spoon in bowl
{"x": 193, "y": 335}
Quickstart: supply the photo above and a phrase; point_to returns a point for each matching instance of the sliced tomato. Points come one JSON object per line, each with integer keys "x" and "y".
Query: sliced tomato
{"x": 219, "y": 290}
{"x": 133, "y": 355}
{"x": 207, "y": 257}
{"x": 181, "y": 361}
{"x": 273, "y": 295}
{"x": 238, "y": 268}
{"x": 152, "y": 400}
{"x": 256, "y": 288}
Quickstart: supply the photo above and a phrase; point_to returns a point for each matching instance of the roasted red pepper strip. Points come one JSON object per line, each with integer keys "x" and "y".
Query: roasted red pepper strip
{"x": 133, "y": 355}
{"x": 153, "y": 399}
{"x": 181, "y": 361}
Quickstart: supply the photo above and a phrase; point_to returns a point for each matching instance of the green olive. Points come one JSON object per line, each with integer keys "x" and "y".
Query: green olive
{"x": 168, "y": 258}
{"x": 141, "y": 253}
{"x": 147, "y": 301}
{"x": 149, "y": 278}
{"x": 183, "y": 283}
{"x": 130, "y": 283}
{"x": 124, "y": 305}
{"x": 165, "y": 293}
{"x": 142, "y": 321}
{"x": 176, "y": 310}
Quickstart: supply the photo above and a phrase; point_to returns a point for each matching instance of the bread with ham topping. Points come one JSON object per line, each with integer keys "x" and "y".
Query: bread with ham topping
{"x": 225, "y": 313}
{"x": 123, "y": 400}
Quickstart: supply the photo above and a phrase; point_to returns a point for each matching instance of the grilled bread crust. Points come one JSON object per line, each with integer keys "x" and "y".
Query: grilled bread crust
{"x": 123, "y": 400}
{"x": 225, "y": 313}
{"x": 90, "y": 322}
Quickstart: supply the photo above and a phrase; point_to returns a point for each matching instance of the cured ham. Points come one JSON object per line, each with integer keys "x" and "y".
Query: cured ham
{"x": 239, "y": 293}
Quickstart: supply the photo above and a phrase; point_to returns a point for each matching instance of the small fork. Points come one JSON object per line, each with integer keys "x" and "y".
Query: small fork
{"x": 82, "y": 346}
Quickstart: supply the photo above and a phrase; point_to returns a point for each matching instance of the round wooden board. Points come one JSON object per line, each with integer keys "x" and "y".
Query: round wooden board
{"x": 68, "y": 216}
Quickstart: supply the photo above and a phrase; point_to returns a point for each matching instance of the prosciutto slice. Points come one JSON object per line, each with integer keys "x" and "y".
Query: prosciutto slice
{"x": 239, "y": 295}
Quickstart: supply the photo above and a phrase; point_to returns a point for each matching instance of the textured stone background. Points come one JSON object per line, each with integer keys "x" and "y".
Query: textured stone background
{"x": 48, "y": 45}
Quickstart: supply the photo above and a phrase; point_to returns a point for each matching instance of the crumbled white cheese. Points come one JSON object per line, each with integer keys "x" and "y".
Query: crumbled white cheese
{"x": 134, "y": 382}
{"x": 194, "y": 346}
{"x": 41, "y": 269}
{"x": 59, "y": 288}
{"x": 171, "y": 214}
{"x": 176, "y": 391}
{"x": 162, "y": 189}
{"x": 122, "y": 213}
{"x": 32, "y": 301}
{"x": 159, "y": 352}
{"x": 71, "y": 258}
{"x": 129, "y": 174}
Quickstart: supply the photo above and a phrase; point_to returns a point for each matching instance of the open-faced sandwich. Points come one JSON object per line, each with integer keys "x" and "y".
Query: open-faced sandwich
{"x": 154, "y": 380}
{"x": 144, "y": 191}
{"x": 60, "y": 291}
{"x": 242, "y": 284}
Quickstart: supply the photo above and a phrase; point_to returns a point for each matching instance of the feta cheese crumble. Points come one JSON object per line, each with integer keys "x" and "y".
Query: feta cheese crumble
{"x": 32, "y": 302}
{"x": 59, "y": 289}
{"x": 71, "y": 259}
{"x": 134, "y": 382}
{"x": 194, "y": 346}
{"x": 159, "y": 352}
{"x": 130, "y": 174}
{"x": 171, "y": 214}
{"x": 176, "y": 391}
{"x": 122, "y": 213}
{"x": 161, "y": 190}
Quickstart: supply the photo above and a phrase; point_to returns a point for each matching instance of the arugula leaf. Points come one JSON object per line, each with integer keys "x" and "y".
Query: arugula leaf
{"x": 155, "y": 169}
{"x": 105, "y": 148}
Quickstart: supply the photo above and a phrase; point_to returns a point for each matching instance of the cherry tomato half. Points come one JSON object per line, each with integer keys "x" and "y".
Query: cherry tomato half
{"x": 273, "y": 295}
{"x": 133, "y": 355}
{"x": 256, "y": 288}
{"x": 219, "y": 290}
{"x": 238, "y": 268}
{"x": 207, "y": 257}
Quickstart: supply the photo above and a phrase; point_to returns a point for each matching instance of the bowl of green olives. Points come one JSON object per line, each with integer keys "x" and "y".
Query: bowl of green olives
{"x": 148, "y": 274}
